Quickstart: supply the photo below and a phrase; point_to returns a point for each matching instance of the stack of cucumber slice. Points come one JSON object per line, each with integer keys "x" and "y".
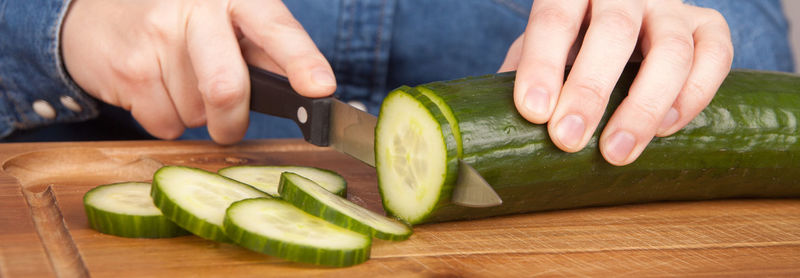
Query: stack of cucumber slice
{"x": 296, "y": 213}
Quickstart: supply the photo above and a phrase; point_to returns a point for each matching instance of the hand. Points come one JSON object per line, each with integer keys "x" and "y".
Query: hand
{"x": 686, "y": 50}
{"x": 182, "y": 63}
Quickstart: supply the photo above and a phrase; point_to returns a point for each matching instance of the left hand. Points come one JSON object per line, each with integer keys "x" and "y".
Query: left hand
{"x": 686, "y": 50}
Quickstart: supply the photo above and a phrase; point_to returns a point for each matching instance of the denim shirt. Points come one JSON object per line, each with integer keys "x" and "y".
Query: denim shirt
{"x": 35, "y": 90}
{"x": 372, "y": 45}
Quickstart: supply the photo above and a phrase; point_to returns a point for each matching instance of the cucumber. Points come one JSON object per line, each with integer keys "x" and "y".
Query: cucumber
{"x": 196, "y": 199}
{"x": 266, "y": 178}
{"x": 315, "y": 200}
{"x": 275, "y": 227}
{"x": 416, "y": 155}
{"x": 743, "y": 145}
{"x": 126, "y": 210}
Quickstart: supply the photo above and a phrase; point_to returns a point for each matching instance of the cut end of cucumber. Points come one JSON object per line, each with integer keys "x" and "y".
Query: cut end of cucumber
{"x": 413, "y": 157}
{"x": 278, "y": 228}
{"x": 266, "y": 178}
{"x": 313, "y": 199}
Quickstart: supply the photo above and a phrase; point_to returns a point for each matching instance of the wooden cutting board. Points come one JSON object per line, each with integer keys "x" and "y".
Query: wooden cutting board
{"x": 44, "y": 231}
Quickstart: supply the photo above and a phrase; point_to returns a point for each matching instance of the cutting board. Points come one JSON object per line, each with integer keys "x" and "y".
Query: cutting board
{"x": 44, "y": 231}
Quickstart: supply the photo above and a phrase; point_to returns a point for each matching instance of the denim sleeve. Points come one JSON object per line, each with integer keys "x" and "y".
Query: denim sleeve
{"x": 759, "y": 31}
{"x": 35, "y": 89}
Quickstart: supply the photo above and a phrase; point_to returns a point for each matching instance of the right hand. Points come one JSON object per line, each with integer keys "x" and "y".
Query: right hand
{"x": 183, "y": 63}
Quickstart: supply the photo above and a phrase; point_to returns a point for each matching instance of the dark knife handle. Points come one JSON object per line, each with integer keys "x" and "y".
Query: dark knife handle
{"x": 271, "y": 94}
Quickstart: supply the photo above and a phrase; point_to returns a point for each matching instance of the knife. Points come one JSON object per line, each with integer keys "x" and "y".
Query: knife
{"x": 329, "y": 122}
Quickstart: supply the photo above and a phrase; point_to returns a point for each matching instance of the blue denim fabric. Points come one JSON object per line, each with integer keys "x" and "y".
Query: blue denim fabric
{"x": 759, "y": 32}
{"x": 30, "y": 66}
{"x": 377, "y": 45}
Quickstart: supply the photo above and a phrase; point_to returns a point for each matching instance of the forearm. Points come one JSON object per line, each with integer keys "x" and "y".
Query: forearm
{"x": 35, "y": 89}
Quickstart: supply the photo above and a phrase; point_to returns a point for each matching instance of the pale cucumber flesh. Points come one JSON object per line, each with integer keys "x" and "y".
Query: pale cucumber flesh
{"x": 266, "y": 178}
{"x": 196, "y": 199}
{"x": 414, "y": 158}
{"x": 310, "y": 197}
{"x": 126, "y": 209}
{"x": 275, "y": 227}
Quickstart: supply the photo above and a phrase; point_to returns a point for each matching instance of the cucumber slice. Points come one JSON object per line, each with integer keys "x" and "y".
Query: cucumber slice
{"x": 310, "y": 197}
{"x": 196, "y": 199}
{"x": 266, "y": 178}
{"x": 277, "y": 228}
{"x": 126, "y": 210}
{"x": 447, "y": 112}
{"x": 416, "y": 156}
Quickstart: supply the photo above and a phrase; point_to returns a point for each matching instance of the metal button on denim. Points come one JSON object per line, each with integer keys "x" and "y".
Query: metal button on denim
{"x": 44, "y": 109}
{"x": 71, "y": 104}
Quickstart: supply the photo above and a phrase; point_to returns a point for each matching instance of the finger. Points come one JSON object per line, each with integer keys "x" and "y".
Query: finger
{"x": 552, "y": 29}
{"x": 287, "y": 43}
{"x": 512, "y": 56}
{"x": 668, "y": 48}
{"x": 181, "y": 84}
{"x": 154, "y": 110}
{"x": 713, "y": 56}
{"x": 221, "y": 72}
{"x": 610, "y": 39}
{"x": 256, "y": 56}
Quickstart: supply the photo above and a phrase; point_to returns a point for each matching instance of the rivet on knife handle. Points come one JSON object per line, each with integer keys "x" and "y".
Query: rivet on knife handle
{"x": 272, "y": 94}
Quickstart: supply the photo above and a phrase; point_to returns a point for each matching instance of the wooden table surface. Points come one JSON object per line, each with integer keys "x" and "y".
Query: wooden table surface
{"x": 44, "y": 232}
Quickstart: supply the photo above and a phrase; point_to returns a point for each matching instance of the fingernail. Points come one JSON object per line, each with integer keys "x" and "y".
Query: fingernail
{"x": 323, "y": 77}
{"x": 669, "y": 119}
{"x": 536, "y": 101}
{"x": 570, "y": 131}
{"x": 620, "y": 145}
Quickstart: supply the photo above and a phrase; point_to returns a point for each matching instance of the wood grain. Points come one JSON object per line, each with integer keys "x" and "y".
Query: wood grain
{"x": 713, "y": 238}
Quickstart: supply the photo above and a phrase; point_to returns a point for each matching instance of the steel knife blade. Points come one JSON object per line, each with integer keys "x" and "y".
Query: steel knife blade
{"x": 333, "y": 123}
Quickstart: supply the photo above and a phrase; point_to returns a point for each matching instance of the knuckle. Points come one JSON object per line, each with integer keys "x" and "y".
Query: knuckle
{"x": 592, "y": 91}
{"x": 679, "y": 47}
{"x": 134, "y": 67}
{"x": 696, "y": 93}
{"x": 645, "y": 111}
{"x": 619, "y": 20}
{"x": 222, "y": 92}
{"x": 712, "y": 15}
{"x": 554, "y": 18}
{"x": 719, "y": 52}
{"x": 160, "y": 23}
{"x": 153, "y": 27}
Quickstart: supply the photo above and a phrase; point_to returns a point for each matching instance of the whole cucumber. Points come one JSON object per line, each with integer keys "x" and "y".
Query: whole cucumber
{"x": 743, "y": 145}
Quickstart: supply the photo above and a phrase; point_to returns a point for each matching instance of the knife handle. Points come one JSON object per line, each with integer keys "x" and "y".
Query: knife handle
{"x": 272, "y": 94}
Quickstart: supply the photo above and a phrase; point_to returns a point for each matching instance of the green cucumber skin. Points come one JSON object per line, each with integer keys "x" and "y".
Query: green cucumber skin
{"x": 342, "y": 192}
{"x": 134, "y": 226}
{"x": 184, "y": 218}
{"x": 296, "y": 196}
{"x": 296, "y": 253}
{"x": 744, "y": 144}
{"x": 452, "y": 155}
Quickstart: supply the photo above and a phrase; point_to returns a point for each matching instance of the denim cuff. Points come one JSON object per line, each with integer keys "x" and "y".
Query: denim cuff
{"x": 35, "y": 88}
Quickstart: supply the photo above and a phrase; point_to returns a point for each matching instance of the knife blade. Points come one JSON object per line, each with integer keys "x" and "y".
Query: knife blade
{"x": 329, "y": 122}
